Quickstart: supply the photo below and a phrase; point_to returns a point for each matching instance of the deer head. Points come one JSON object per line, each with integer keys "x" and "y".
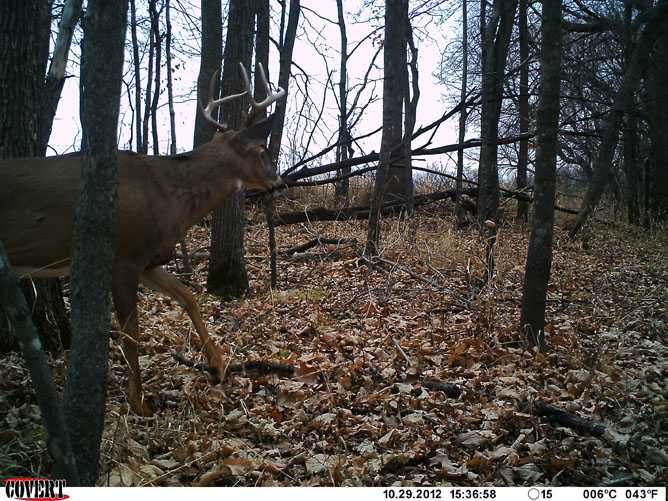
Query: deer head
{"x": 244, "y": 152}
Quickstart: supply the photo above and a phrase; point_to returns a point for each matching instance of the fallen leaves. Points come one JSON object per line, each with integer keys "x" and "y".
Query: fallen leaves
{"x": 399, "y": 380}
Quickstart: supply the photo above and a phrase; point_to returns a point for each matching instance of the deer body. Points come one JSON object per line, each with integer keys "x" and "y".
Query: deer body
{"x": 159, "y": 198}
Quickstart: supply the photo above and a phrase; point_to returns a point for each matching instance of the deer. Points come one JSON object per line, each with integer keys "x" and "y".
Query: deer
{"x": 160, "y": 198}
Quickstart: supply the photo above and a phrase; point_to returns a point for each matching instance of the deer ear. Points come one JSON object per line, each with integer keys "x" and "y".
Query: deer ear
{"x": 257, "y": 133}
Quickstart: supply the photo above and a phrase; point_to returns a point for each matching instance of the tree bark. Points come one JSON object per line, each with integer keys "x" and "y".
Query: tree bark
{"x": 17, "y": 311}
{"x": 523, "y": 154}
{"x": 342, "y": 151}
{"x": 55, "y": 78}
{"x": 137, "y": 73}
{"x": 24, "y": 49}
{"x": 630, "y": 134}
{"x": 149, "y": 83}
{"x": 285, "y": 63}
{"x": 388, "y": 182}
{"x": 459, "y": 210}
{"x": 170, "y": 89}
{"x": 659, "y": 135}
{"x": 154, "y": 15}
{"x": 210, "y": 61}
{"x": 496, "y": 41}
{"x": 539, "y": 256}
{"x": 227, "y": 276}
{"x": 94, "y": 231}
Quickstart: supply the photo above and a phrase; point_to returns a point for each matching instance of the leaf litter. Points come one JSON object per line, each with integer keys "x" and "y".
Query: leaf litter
{"x": 407, "y": 373}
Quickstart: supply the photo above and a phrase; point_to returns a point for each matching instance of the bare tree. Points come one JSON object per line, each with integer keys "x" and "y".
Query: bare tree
{"x": 227, "y": 276}
{"x": 459, "y": 210}
{"x": 343, "y": 150}
{"x": 94, "y": 235}
{"x": 523, "y": 108}
{"x": 137, "y": 74}
{"x": 539, "y": 257}
{"x": 390, "y": 181}
{"x": 496, "y": 40}
{"x": 210, "y": 61}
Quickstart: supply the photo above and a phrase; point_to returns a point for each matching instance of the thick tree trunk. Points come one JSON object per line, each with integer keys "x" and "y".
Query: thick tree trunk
{"x": 387, "y": 181}
{"x": 539, "y": 256}
{"x": 496, "y": 41}
{"x": 227, "y": 277}
{"x": 523, "y": 154}
{"x": 210, "y": 61}
{"x": 24, "y": 50}
{"x": 95, "y": 231}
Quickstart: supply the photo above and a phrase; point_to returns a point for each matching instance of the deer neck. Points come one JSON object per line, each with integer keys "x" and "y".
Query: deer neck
{"x": 205, "y": 182}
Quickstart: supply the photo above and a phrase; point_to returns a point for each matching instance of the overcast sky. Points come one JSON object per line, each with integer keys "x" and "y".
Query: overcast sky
{"x": 313, "y": 32}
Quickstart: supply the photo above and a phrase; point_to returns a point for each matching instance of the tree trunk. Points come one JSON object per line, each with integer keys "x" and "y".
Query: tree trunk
{"x": 459, "y": 210}
{"x": 137, "y": 72}
{"x": 149, "y": 83}
{"x": 170, "y": 89}
{"x": 394, "y": 56}
{"x": 496, "y": 41}
{"x": 227, "y": 277}
{"x": 539, "y": 256}
{"x": 24, "y": 48}
{"x": 523, "y": 155}
{"x": 659, "y": 174}
{"x": 630, "y": 132}
{"x": 55, "y": 78}
{"x": 411, "y": 91}
{"x": 287, "y": 47}
{"x": 157, "y": 43}
{"x": 14, "y": 307}
{"x": 95, "y": 231}
{"x": 211, "y": 58}
{"x": 342, "y": 187}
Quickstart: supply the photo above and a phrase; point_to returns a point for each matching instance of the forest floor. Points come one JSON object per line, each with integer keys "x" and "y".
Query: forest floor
{"x": 372, "y": 346}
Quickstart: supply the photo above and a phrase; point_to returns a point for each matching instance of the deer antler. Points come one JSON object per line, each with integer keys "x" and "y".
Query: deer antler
{"x": 212, "y": 104}
{"x": 271, "y": 98}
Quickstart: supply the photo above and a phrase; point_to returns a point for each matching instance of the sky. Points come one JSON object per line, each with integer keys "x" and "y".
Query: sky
{"x": 316, "y": 38}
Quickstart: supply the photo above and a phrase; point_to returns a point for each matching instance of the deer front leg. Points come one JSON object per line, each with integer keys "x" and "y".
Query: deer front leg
{"x": 162, "y": 281}
{"x": 124, "y": 291}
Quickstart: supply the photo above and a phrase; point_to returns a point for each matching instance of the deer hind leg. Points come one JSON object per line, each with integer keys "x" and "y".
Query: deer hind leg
{"x": 124, "y": 291}
{"x": 162, "y": 281}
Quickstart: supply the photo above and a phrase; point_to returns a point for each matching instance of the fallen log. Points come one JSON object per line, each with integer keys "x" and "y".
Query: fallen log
{"x": 324, "y": 214}
{"x": 319, "y": 241}
{"x": 568, "y": 419}
{"x": 345, "y": 214}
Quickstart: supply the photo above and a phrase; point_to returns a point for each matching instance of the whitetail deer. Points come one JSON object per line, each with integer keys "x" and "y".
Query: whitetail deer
{"x": 160, "y": 197}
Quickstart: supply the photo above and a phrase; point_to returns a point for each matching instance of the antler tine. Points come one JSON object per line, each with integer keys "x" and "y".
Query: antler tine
{"x": 271, "y": 98}
{"x": 212, "y": 104}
